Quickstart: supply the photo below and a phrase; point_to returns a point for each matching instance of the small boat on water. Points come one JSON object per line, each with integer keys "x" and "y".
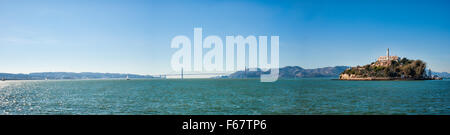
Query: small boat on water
{"x": 127, "y": 78}
{"x": 3, "y": 79}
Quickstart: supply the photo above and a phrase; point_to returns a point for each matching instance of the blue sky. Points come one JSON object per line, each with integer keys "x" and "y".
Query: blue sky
{"x": 134, "y": 36}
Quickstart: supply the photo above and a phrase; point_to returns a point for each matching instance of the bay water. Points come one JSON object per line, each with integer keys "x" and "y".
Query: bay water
{"x": 224, "y": 96}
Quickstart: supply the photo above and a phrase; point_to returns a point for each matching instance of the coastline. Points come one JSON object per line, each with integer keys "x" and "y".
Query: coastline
{"x": 355, "y": 78}
{"x": 384, "y": 79}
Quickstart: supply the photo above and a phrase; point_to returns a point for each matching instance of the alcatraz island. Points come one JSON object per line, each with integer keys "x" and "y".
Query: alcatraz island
{"x": 389, "y": 68}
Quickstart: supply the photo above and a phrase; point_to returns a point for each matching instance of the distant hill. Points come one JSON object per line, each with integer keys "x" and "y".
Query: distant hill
{"x": 68, "y": 75}
{"x": 294, "y": 72}
{"x": 441, "y": 74}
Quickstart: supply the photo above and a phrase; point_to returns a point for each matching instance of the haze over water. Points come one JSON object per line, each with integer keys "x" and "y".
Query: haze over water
{"x": 224, "y": 96}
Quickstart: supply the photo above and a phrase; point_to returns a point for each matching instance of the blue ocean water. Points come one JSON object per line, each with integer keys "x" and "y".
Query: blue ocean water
{"x": 224, "y": 96}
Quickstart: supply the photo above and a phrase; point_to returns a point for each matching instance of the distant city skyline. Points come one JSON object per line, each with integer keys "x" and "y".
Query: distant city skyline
{"x": 134, "y": 36}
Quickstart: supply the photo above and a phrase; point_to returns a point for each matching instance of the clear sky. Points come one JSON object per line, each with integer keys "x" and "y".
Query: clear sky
{"x": 130, "y": 36}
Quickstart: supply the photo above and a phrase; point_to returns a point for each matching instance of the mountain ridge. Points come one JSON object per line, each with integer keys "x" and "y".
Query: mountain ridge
{"x": 69, "y": 75}
{"x": 294, "y": 72}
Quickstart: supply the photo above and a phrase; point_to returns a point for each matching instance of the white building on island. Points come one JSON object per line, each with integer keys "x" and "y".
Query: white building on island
{"x": 386, "y": 60}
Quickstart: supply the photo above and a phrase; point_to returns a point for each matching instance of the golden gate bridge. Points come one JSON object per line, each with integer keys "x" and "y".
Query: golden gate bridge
{"x": 182, "y": 74}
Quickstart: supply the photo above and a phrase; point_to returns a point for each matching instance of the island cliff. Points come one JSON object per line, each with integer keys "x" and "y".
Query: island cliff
{"x": 388, "y": 68}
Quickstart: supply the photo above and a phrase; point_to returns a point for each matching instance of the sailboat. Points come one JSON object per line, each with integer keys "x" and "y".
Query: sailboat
{"x": 3, "y": 79}
{"x": 128, "y": 78}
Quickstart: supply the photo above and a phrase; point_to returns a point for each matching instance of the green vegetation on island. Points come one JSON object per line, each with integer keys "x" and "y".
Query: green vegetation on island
{"x": 389, "y": 68}
{"x": 403, "y": 68}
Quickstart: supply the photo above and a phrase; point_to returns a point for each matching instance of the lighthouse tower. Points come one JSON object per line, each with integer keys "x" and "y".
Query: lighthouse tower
{"x": 387, "y": 54}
